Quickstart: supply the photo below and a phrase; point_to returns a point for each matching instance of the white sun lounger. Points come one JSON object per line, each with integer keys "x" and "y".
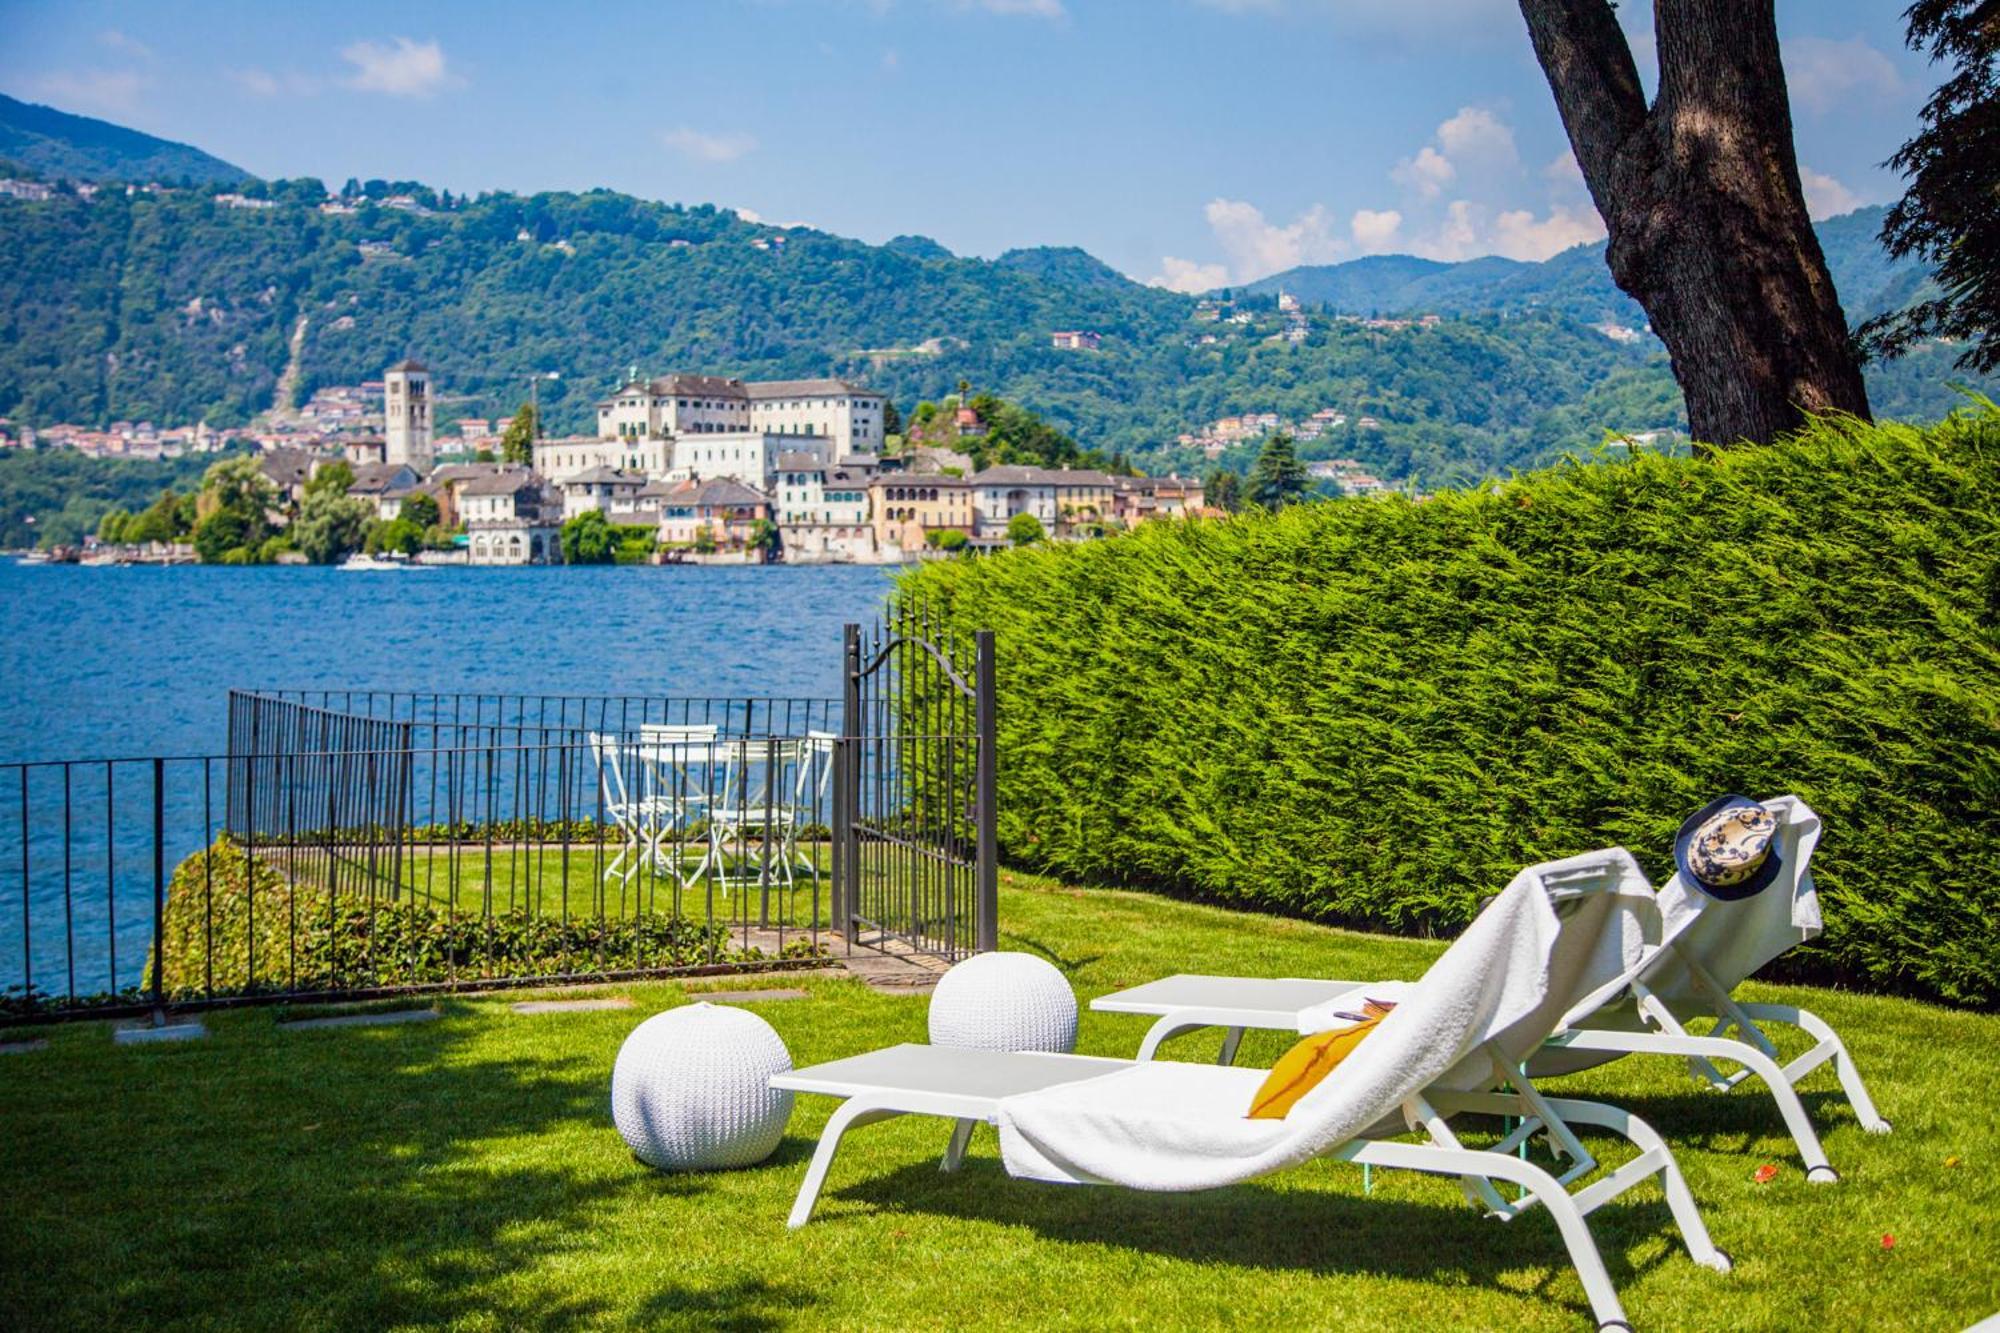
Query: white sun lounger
{"x": 1558, "y": 933}
{"x": 1707, "y": 948}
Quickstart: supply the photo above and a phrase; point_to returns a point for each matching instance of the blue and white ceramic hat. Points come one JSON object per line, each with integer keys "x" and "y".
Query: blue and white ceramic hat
{"x": 1728, "y": 848}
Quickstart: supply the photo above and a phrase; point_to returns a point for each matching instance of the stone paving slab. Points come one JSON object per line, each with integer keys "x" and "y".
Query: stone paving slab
{"x": 748, "y": 996}
{"x": 141, "y": 1032}
{"x": 362, "y": 1020}
{"x": 571, "y": 1006}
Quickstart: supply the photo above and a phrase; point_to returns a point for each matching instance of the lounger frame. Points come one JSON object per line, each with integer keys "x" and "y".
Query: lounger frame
{"x": 1479, "y": 1170}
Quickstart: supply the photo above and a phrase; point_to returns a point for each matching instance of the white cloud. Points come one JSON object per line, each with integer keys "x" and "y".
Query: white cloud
{"x": 1564, "y": 170}
{"x": 1825, "y": 196}
{"x": 1473, "y": 142}
{"x": 1185, "y": 275}
{"x": 700, "y": 146}
{"x": 116, "y": 91}
{"x": 1376, "y": 230}
{"x": 1519, "y": 234}
{"x": 1476, "y": 134}
{"x": 1427, "y": 173}
{"x": 1041, "y": 9}
{"x": 405, "y": 69}
{"x": 1823, "y": 74}
{"x": 125, "y": 42}
{"x": 748, "y": 215}
{"x": 1256, "y": 247}
{"x": 263, "y": 83}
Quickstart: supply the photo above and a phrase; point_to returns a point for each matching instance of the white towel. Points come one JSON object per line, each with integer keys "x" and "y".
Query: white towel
{"x": 1509, "y": 979}
{"x": 1733, "y": 939}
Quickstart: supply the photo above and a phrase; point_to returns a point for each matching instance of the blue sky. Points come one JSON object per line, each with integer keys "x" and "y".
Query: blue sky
{"x": 1191, "y": 142}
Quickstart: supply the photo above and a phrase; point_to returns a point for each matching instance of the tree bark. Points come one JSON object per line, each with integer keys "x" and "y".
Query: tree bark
{"x": 1701, "y": 195}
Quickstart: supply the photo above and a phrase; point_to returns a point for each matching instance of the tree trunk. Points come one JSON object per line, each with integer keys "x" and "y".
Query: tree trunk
{"x": 1708, "y": 222}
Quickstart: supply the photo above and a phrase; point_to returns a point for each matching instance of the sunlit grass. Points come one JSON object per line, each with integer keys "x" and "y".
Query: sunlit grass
{"x": 465, "y": 1173}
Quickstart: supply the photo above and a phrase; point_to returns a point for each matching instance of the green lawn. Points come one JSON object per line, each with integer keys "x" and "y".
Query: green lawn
{"x": 465, "y": 1173}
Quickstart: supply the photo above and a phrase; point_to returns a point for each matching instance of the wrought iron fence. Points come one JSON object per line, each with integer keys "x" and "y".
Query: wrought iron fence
{"x": 349, "y": 871}
{"x": 358, "y": 843}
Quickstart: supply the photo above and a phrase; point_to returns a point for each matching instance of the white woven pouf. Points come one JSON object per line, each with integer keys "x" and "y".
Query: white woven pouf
{"x": 1004, "y": 1002}
{"x": 691, "y": 1090}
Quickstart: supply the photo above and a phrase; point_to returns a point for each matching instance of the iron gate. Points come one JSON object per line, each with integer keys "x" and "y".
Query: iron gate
{"x": 916, "y": 861}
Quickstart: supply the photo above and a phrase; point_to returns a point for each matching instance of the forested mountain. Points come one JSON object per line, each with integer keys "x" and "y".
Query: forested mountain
{"x": 56, "y": 145}
{"x": 175, "y": 307}
{"x": 1575, "y": 282}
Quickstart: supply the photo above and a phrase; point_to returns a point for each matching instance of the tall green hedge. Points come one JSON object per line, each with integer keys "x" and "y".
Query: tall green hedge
{"x": 1374, "y": 712}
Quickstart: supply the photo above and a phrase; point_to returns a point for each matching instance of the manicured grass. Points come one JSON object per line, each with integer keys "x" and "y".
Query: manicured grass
{"x": 465, "y": 1173}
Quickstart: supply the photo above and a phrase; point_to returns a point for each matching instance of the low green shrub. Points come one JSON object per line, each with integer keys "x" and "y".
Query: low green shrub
{"x": 235, "y": 924}
{"x": 1375, "y": 711}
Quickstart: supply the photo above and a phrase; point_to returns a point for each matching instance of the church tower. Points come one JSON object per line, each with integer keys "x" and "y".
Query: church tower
{"x": 406, "y": 415}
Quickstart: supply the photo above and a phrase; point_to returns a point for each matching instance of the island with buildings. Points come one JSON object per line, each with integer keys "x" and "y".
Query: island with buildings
{"x": 719, "y": 470}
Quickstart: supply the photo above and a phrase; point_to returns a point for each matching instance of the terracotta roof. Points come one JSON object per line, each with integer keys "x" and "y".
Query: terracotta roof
{"x": 1014, "y": 474}
{"x": 603, "y": 476}
{"x": 724, "y": 491}
{"x": 381, "y": 478}
{"x": 701, "y": 386}
{"x": 506, "y": 481}
{"x": 765, "y": 390}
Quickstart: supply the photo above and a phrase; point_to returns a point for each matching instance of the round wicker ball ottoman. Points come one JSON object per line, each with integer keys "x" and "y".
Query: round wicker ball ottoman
{"x": 1004, "y": 1002}
{"x": 691, "y": 1089}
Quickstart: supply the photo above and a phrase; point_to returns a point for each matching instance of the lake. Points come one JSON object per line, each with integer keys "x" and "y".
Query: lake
{"x": 138, "y": 660}
{"x": 129, "y": 662}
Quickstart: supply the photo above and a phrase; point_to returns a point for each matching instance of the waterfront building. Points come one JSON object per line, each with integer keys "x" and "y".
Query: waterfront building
{"x": 406, "y": 415}
{"x": 726, "y": 510}
{"x": 845, "y": 415}
{"x": 1066, "y": 500}
{"x": 677, "y": 406}
{"x": 750, "y": 457}
{"x": 288, "y": 469}
{"x": 561, "y": 459}
{"x": 1136, "y": 499}
{"x": 604, "y": 490}
{"x": 384, "y": 485}
{"x": 509, "y": 519}
{"x": 909, "y": 507}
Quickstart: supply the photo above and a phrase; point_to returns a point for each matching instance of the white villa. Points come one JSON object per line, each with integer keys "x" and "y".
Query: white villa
{"x": 1056, "y": 496}
{"x": 848, "y": 417}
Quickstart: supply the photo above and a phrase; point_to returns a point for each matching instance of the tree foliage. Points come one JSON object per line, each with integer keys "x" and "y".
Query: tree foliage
{"x": 331, "y": 524}
{"x": 588, "y": 539}
{"x": 1278, "y": 479}
{"x": 1375, "y": 711}
{"x": 1024, "y": 529}
{"x": 517, "y": 442}
{"x": 234, "y": 506}
{"x": 1950, "y": 215}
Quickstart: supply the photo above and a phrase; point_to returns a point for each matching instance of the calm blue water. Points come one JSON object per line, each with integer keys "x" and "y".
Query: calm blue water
{"x": 138, "y": 661}
{"x": 133, "y": 662}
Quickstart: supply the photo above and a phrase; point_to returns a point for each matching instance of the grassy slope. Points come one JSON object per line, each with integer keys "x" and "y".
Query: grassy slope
{"x": 465, "y": 1173}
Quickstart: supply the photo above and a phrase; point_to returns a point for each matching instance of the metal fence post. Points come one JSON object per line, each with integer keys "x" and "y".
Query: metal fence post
{"x": 846, "y": 794}
{"x": 159, "y": 889}
{"x": 986, "y": 886}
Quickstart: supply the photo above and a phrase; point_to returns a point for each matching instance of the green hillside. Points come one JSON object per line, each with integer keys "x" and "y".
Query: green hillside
{"x": 1575, "y": 282}
{"x": 174, "y": 307}
{"x": 58, "y": 146}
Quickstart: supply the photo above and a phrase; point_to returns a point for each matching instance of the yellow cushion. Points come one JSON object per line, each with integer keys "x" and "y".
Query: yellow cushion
{"x": 1300, "y": 1069}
